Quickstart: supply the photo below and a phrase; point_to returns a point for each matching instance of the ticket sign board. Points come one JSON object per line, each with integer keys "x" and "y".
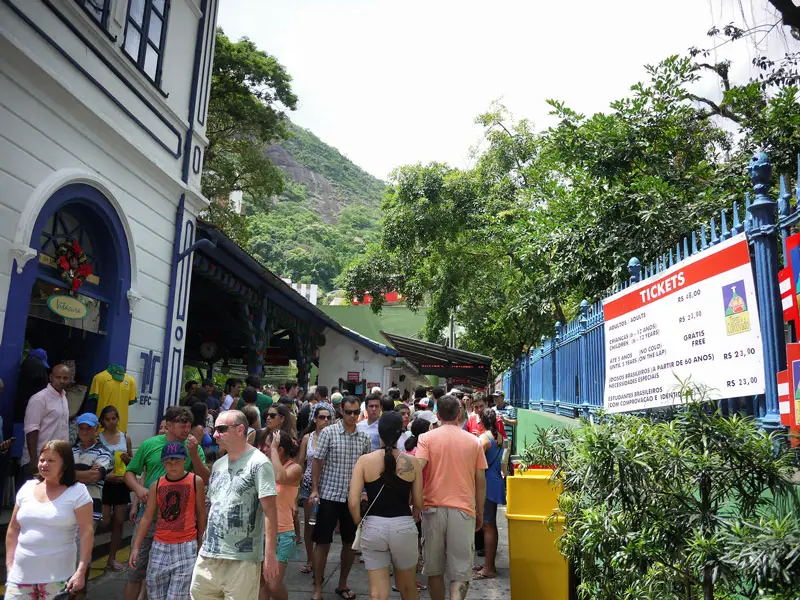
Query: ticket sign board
{"x": 698, "y": 319}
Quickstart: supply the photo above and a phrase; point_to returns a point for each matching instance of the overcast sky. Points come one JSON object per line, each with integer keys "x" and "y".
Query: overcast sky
{"x": 393, "y": 83}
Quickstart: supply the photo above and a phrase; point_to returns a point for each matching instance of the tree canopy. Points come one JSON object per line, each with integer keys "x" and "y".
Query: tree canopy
{"x": 545, "y": 219}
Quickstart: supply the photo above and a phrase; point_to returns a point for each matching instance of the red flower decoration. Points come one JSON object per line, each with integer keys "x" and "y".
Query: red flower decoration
{"x": 84, "y": 270}
{"x": 76, "y": 283}
{"x": 76, "y": 248}
{"x": 63, "y": 263}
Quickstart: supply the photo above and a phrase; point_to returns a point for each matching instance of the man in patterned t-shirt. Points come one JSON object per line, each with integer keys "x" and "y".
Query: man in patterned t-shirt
{"x": 243, "y": 500}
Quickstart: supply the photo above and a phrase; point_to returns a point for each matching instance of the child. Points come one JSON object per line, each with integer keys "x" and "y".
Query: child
{"x": 116, "y": 495}
{"x": 179, "y": 498}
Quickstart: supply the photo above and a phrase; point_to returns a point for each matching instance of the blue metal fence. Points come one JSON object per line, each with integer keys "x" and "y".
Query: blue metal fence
{"x": 565, "y": 374}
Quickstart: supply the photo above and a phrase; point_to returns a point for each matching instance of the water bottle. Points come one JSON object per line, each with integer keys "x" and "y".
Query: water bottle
{"x": 312, "y": 520}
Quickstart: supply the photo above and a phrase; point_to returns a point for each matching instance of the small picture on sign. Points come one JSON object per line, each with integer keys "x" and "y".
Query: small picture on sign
{"x": 794, "y": 260}
{"x": 737, "y": 317}
{"x": 796, "y": 377}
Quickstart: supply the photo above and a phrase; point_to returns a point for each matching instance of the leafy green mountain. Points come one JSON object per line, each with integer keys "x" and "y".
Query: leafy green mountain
{"x": 328, "y": 212}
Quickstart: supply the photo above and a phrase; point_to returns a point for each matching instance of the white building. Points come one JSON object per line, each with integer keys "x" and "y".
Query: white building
{"x": 309, "y": 291}
{"x": 356, "y": 364}
{"x": 102, "y": 136}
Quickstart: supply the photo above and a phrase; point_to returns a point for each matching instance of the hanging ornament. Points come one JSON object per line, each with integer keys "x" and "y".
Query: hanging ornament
{"x": 71, "y": 260}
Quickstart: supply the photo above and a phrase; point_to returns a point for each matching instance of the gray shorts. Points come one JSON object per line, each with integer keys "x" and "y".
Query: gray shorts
{"x": 389, "y": 540}
{"x": 448, "y": 539}
{"x": 140, "y": 572}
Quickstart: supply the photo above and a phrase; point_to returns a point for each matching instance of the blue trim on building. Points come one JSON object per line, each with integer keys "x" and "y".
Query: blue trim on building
{"x": 107, "y": 63}
{"x": 210, "y": 36}
{"x": 109, "y": 240}
{"x": 179, "y": 216}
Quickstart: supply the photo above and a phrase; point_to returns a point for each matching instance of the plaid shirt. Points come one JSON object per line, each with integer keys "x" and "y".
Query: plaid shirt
{"x": 340, "y": 450}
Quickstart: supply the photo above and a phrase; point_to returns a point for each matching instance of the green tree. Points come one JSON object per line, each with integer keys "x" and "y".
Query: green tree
{"x": 249, "y": 92}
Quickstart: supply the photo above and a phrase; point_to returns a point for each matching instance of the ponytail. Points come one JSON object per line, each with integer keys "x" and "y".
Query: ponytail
{"x": 489, "y": 422}
{"x": 418, "y": 427}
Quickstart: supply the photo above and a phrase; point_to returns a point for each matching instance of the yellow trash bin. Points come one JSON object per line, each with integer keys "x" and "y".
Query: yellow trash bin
{"x": 538, "y": 570}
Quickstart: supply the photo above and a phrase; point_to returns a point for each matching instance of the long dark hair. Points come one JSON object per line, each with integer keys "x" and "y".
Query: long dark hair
{"x": 288, "y": 419}
{"x": 489, "y": 422}
{"x": 390, "y": 428}
{"x": 312, "y": 422}
{"x": 418, "y": 427}
{"x": 106, "y": 411}
{"x": 64, "y": 450}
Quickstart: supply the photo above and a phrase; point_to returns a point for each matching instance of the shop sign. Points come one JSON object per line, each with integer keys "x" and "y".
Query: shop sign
{"x": 353, "y": 376}
{"x": 373, "y": 384}
{"x": 67, "y": 307}
{"x": 698, "y": 320}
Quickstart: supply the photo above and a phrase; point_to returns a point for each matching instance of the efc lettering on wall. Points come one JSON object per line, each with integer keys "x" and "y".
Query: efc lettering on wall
{"x": 149, "y": 362}
{"x": 697, "y": 320}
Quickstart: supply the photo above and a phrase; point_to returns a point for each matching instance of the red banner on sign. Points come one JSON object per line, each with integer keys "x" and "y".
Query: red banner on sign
{"x": 788, "y": 297}
{"x": 353, "y": 376}
{"x": 783, "y": 397}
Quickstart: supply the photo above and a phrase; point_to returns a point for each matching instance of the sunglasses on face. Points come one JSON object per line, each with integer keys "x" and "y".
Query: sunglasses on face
{"x": 351, "y": 412}
{"x": 324, "y": 417}
{"x": 272, "y": 415}
{"x": 223, "y": 428}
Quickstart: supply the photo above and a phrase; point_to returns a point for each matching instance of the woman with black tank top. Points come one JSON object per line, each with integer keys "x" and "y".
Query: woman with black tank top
{"x": 393, "y": 481}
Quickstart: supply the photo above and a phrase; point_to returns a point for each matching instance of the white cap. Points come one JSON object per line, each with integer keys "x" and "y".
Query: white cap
{"x": 375, "y": 390}
{"x": 427, "y": 415}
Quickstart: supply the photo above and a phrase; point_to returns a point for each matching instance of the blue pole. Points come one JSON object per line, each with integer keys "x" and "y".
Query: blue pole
{"x": 584, "y": 359}
{"x": 762, "y": 232}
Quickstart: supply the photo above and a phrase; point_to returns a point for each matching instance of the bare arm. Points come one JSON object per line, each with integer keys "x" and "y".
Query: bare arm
{"x": 200, "y": 510}
{"x": 33, "y": 441}
{"x": 198, "y": 466}
{"x": 356, "y": 487}
{"x": 416, "y": 491}
{"x": 84, "y": 517}
{"x": 301, "y": 458}
{"x": 128, "y": 455}
{"x": 92, "y": 475}
{"x": 480, "y": 497}
{"x": 144, "y": 524}
{"x": 270, "y": 507}
{"x": 136, "y": 487}
{"x": 316, "y": 471}
{"x": 12, "y": 537}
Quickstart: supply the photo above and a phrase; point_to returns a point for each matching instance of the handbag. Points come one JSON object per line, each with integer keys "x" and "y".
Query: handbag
{"x": 357, "y": 540}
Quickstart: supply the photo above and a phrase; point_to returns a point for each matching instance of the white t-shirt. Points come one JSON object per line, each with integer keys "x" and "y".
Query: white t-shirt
{"x": 46, "y": 550}
{"x": 401, "y": 442}
{"x": 226, "y": 405}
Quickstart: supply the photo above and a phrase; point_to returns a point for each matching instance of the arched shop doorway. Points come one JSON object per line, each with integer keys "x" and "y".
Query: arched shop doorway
{"x": 85, "y": 324}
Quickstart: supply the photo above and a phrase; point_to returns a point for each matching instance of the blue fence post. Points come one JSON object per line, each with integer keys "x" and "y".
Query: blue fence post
{"x": 541, "y": 396}
{"x": 556, "y": 394}
{"x": 762, "y": 233}
{"x": 583, "y": 367}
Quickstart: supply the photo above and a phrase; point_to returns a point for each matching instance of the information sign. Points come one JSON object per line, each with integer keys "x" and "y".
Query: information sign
{"x": 698, "y": 319}
{"x": 353, "y": 376}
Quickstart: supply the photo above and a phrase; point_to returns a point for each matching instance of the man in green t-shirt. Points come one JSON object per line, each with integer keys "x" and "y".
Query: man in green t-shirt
{"x": 263, "y": 402}
{"x": 240, "y": 542}
{"x": 147, "y": 460}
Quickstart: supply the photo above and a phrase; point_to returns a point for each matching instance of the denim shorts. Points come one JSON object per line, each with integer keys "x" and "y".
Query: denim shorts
{"x": 286, "y": 547}
{"x": 389, "y": 540}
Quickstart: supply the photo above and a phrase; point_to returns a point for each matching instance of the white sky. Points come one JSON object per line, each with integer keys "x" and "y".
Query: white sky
{"x": 394, "y": 83}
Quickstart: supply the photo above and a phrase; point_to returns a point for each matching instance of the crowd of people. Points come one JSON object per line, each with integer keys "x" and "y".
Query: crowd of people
{"x": 411, "y": 484}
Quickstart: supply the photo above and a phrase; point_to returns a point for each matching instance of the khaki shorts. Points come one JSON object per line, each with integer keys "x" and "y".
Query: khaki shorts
{"x": 389, "y": 540}
{"x": 215, "y": 578}
{"x": 448, "y": 536}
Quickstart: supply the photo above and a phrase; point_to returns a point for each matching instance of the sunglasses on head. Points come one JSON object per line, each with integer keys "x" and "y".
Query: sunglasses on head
{"x": 351, "y": 412}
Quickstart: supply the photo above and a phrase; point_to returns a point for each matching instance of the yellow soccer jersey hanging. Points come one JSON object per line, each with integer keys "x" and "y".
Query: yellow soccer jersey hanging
{"x": 114, "y": 387}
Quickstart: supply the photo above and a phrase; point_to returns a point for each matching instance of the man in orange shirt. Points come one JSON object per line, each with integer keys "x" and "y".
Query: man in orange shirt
{"x": 454, "y": 493}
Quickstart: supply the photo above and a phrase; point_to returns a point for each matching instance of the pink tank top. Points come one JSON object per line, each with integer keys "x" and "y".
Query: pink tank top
{"x": 287, "y": 498}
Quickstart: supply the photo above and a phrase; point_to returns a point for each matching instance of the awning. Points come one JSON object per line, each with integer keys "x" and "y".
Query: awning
{"x": 435, "y": 359}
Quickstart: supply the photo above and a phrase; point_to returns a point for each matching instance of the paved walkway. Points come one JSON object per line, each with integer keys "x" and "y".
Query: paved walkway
{"x": 110, "y": 586}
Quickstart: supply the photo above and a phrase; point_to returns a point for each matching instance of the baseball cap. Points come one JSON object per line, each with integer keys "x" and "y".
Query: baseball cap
{"x": 173, "y": 450}
{"x": 424, "y": 402}
{"x": 41, "y": 354}
{"x": 87, "y": 419}
{"x": 336, "y": 398}
{"x": 427, "y": 415}
{"x": 498, "y": 393}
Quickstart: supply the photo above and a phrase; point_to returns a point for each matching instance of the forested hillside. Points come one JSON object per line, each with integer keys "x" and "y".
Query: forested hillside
{"x": 325, "y": 216}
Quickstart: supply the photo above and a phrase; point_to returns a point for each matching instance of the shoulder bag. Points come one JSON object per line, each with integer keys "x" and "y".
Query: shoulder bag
{"x": 357, "y": 541}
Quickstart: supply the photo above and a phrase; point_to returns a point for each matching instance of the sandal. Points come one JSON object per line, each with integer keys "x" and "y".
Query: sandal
{"x": 345, "y": 593}
{"x": 114, "y": 566}
{"x": 477, "y": 568}
{"x": 480, "y": 575}
{"x": 306, "y": 569}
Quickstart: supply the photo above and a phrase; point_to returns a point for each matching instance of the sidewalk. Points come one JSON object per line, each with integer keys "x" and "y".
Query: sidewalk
{"x": 110, "y": 586}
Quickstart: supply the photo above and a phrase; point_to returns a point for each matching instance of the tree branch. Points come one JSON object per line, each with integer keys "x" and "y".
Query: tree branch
{"x": 789, "y": 12}
{"x": 716, "y": 109}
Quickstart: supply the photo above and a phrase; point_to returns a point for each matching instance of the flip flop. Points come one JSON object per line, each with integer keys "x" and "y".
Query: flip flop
{"x": 306, "y": 569}
{"x": 115, "y": 567}
{"x": 345, "y": 593}
{"x": 477, "y": 568}
{"x": 479, "y": 576}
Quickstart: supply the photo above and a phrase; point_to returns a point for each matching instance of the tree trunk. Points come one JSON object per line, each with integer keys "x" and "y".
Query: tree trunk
{"x": 708, "y": 584}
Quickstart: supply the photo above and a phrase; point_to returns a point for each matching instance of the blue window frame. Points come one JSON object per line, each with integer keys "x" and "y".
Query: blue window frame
{"x": 145, "y": 35}
{"x": 97, "y": 9}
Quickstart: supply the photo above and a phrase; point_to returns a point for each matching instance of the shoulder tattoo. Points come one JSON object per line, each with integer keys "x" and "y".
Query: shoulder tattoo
{"x": 404, "y": 464}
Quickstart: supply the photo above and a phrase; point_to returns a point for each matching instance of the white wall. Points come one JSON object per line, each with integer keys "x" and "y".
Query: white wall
{"x": 336, "y": 358}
